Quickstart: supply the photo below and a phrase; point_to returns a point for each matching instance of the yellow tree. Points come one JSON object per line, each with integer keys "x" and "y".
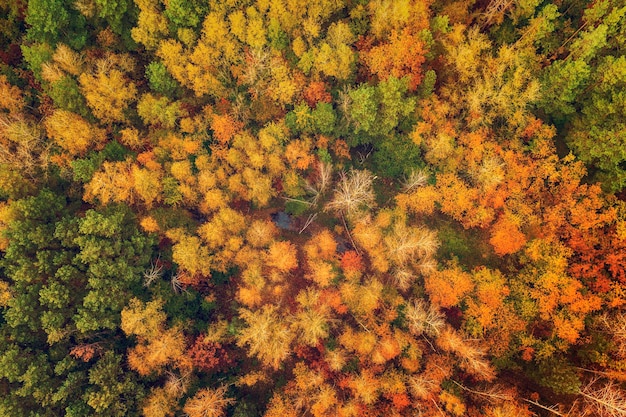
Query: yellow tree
{"x": 208, "y": 403}
{"x": 157, "y": 346}
{"x": 111, "y": 184}
{"x": 74, "y": 134}
{"x": 107, "y": 88}
{"x": 267, "y": 335}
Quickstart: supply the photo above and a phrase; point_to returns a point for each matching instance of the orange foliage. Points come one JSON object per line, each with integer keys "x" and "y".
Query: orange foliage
{"x": 209, "y": 356}
{"x": 148, "y": 160}
{"x": 224, "y": 127}
{"x": 400, "y": 401}
{"x": 299, "y": 155}
{"x": 506, "y": 238}
{"x": 86, "y": 352}
{"x": 403, "y": 55}
{"x": 351, "y": 261}
{"x": 154, "y": 355}
{"x": 322, "y": 246}
{"x": 448, "y": 287}
{"x": 282, "y": 256}
{"x": 10, "y": 96}
{"x": 316, "y": 92}
{"x": 341, "y": 149}
{"x": 333, "y": 299}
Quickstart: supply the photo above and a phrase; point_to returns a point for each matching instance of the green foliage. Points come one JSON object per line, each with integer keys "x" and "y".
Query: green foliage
{"x": 427, "y": 86}
{"x": 375, "y": 112}
{"x": 112, "y": 392}
{"x": 158, "y": 111}
{"x": 11, "y": 23}
{"x": 323, "y": 118}
{"x": 160, "y": 79}
{"x": 36, "y": 55}
{"x": 84, "y": 168}
{"x": 46, "y": 19}
{"x": 185, "y": 13}
{"x": 363, "y": 109}
{"x": 278, "y": 38}
{"x": 113, "y": 11}
{"x": 557, "y": 374}
{"x": 66, "y": 95}
{"x": 296, "y": 208}
{"x": 584, "y": 92}
{"x": 70, "y": 278}
{"x": 396, "y": 156}
{"x": 52, "y": 21}
{"x": 280, "y": 87}
{"x": 564, "y": 81}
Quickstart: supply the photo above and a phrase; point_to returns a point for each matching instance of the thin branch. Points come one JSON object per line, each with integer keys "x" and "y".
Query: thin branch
{"x": 483, "y": 394}
{"x": 356, "y": 248}
{"x": 308, "y": 222}
{"x": 298, "y": 200}
{"x": 553, "y": 411}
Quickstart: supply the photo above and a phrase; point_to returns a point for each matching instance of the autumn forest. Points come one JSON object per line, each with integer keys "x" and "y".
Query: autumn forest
{"x": 289, "y": 208}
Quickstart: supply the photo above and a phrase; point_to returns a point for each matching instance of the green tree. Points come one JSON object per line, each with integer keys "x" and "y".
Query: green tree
{"x": 160, "y": 80}
{"x": 185, "y": 13}
{"x": 584, "y": 91}
{"x": 55, "y": 20}
{"x": 69, "y": 279}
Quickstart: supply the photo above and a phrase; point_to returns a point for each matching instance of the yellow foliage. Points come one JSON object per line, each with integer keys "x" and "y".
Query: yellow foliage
{"x": 149, "y": 224}
{"x": 208, "y": 403}
{"x": 73, "y": 133}
{"x": 420, "y": 201}
{"x": 69, "y": 61}
{"x": 147, "y": 185}
{"x": 336, "y": 359}
{"x": 312, "y": 326}
{"x": 361, "y": 342}
{"x": 108, "y": 92}
{"x": 226, "y": 223}
{"x": 261, "y": 233}
{"x": 452, "y": 403}
{"x": 151, "y": 26}
{"x": 267, "y": 336}
{"x": 144, "y": 320}
{"x": 189, "y": 253}
{"x": 5, "y": 294}
{"x": 365, "y": 387}
{"x": 322, "y": 273}
{"x": 251, "y": 378}
{"x": 111, "y": 184}
{"x": 322, "y": 246}
{"x": 160, "y": 403}
{"x": 130, "y": 137}
{"x": 280, "y": 407}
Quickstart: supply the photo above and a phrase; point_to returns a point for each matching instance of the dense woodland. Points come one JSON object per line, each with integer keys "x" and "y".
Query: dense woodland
{"x": 312, "y": 208}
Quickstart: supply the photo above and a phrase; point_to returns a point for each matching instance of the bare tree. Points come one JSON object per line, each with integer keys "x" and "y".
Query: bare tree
{"x": 324, "y": 177}
{"x": 604, "y": 400}
{"x": 353, "y": 193}
{"x": 153, "y": 273}
{"x": 416, "y": 179}
{"x": 423, "y": 318}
